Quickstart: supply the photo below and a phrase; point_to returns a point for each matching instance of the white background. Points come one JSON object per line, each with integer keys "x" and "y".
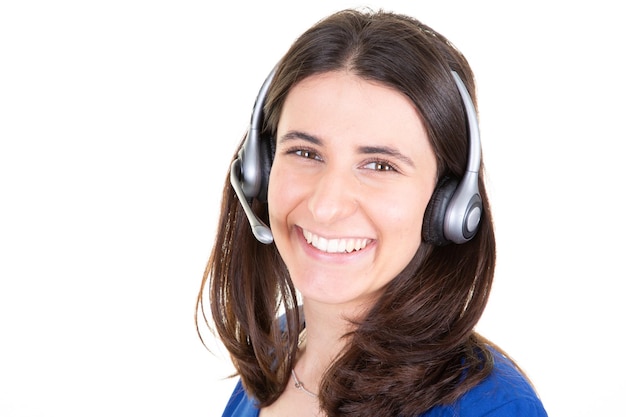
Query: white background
{"x": 117, "y": 121}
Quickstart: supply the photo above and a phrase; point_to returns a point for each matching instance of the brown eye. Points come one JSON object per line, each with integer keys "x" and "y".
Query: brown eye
{"x": 307, "y": 154}
{"x": 379, "y": 166}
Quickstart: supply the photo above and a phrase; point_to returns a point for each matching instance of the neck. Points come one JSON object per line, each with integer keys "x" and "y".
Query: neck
{"x": 326, "y": 327}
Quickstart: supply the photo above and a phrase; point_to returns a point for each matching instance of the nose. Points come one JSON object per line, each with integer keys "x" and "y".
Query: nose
{"x": 333, "y": 197}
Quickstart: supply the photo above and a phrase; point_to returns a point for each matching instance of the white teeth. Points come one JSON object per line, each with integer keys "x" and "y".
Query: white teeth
{"x": 334, "y": 245}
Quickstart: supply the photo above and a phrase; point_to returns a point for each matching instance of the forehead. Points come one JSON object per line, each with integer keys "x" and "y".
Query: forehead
{"x": 341, "y": 104}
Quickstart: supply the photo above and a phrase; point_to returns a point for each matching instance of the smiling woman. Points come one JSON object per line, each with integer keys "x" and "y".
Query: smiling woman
{"x": 363, "y": 156}
{"x": 365, "y": 171}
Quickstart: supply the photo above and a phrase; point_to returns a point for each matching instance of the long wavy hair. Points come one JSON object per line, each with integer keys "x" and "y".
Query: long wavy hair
{"x": 417, "y": 346}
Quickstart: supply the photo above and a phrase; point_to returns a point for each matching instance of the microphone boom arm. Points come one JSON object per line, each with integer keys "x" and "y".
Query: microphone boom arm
{"x": 260, "y": 230}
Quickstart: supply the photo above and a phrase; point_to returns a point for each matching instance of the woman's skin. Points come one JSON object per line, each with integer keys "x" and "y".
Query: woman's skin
{"x": 350, "y": 181}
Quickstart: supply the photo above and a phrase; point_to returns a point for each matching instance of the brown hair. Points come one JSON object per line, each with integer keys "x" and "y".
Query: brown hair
{"x": 416, "y": 347}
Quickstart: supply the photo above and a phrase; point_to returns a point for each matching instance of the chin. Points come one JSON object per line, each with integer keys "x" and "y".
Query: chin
{"x": 336, "y": 295}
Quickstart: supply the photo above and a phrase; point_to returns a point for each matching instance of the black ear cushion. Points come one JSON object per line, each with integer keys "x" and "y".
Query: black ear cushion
{"x": 268, "y": 148}
{"x": 434, "y": 216}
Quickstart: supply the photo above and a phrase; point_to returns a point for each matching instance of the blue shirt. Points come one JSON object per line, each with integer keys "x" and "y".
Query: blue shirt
{"x": 504, "y": 393}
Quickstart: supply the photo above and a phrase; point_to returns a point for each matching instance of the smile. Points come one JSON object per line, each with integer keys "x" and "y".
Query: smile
{"x": 334, "y": 245}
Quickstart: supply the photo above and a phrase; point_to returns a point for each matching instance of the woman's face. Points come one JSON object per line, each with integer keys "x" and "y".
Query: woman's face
{"x": 350, "y": 181}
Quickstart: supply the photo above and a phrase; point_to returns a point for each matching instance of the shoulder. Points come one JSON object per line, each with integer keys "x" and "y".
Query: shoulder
{"x": 505, "y": 392}
{"x": 240, "y": 404}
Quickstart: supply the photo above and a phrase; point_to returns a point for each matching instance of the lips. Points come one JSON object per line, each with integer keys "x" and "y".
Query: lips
{"x": 344, "y": 245}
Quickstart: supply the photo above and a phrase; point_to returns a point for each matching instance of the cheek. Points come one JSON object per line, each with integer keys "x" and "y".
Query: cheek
{"x": 281, "y": 194}
{"x": 274, "y": 194}
{"x": 401, "y": 222}
{"x": 407, "y": 211}
{"x": 404, "y": 223}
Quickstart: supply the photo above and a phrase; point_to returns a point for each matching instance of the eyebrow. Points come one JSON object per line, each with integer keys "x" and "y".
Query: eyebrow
{"x": 367, "y": 150}
{"x": 295, "y": 134}
{"x": 386, "y": 150}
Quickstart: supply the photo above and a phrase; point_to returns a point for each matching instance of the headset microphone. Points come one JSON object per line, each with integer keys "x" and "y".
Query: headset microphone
{"x": 249, "y": 172}
{"x": 260, "y": 230}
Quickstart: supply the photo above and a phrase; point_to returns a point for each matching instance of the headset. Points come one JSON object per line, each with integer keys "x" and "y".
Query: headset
{"x": 453, "y": 212}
